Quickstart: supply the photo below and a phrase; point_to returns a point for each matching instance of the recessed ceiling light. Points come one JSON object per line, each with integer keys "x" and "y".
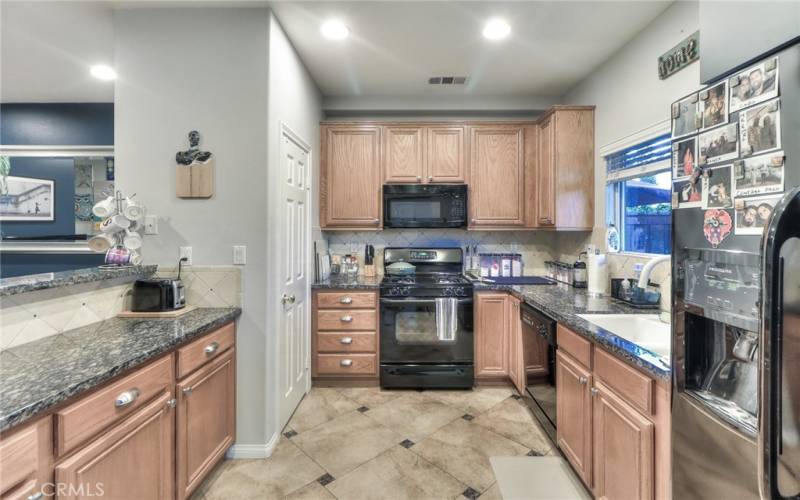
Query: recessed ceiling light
{"x": 496, "y": 29}
{"x": 103, "y": 72}
{"x": 334, "y": 30}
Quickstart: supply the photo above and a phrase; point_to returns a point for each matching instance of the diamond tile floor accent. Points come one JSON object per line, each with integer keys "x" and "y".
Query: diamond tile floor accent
{"x": 368, "y": 443}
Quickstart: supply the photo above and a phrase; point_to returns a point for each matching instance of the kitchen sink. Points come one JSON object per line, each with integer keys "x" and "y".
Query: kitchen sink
{"x": 645, "y": 330}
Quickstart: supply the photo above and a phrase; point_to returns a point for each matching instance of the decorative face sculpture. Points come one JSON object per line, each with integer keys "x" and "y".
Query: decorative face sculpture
{"x": 194, "y": 138}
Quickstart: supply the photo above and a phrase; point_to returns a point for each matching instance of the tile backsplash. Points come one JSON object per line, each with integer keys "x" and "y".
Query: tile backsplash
{"x": 34, "y": 315}
{"x": 536, "y": 247}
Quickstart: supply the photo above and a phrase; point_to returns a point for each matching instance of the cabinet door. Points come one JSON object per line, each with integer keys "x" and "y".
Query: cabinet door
{"x": 491, "y": 335}
{"x": 206, "y": 420}
{"x": 26, "y": 460}
{"x": 497, "y": 187}
{"x": 403, "y": 154}
{"x": 574, "y": 415}
{"x": 133, "y": 460}
{"x": 350, "y": 177}
{"x": 516, "y": 361}
{"x": 624, "y": 441}
{"x": 546, "y": 178}
{"x": 445, "y": 155}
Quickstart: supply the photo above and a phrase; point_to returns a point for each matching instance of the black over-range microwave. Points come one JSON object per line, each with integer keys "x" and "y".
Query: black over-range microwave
{"x": 425, "y": 205}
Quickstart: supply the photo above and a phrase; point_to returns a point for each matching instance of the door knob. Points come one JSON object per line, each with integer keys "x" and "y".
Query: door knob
{"x": 287, "y": 299}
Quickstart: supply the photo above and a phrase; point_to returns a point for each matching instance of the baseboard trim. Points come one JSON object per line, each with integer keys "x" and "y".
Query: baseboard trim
{"x": 239, "y": 451}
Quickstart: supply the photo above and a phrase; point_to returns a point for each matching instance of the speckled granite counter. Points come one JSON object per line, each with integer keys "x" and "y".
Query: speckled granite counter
{"x": 563, "y": 303}
{"x": 32, "y": 282}
{"x": 340, "y": 282}
{"x": 37, "y": 376}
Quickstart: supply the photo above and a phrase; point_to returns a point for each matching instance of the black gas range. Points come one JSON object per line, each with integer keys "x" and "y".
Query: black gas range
{"x": 426, "y": 328}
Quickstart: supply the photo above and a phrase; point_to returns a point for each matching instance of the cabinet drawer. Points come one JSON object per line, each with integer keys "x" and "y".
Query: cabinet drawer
{"x": 347, "y": 364}
{"x": 634, "y": 387}
{"x": 346, "y": 320}
{"x": 87, "y": 417}
{"x": 346, "y": 300}
{"x": 26, "y": 460}
{"x": 347, "y": 342}
{"x": 206, "y": 348}
{"x": 577, "y": 346}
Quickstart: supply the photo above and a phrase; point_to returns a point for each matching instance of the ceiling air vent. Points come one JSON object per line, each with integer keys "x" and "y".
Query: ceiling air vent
{"x": 447, "y": 80}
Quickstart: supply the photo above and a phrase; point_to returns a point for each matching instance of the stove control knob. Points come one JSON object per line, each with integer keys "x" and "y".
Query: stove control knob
{"x": 460, "y": 291}
{"x": 395, "y": 291}
{"x": 406, "y": 292}
{"x": 448, "y": 292}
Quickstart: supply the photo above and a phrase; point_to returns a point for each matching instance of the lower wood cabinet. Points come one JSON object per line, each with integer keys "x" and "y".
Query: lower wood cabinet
{"x": 492, "y": 330}
{"x": 623, "y": 448}
{"x": 205, "y": 420}
{"x": 516, "y": 360}
{"x": 574, "y": 414}
{"x": 133, "y": 460}
{"x": 26, "y": 460}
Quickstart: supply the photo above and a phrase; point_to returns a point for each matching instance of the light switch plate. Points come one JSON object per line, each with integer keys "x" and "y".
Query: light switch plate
{"x": 186, "y": 252}
{"x": 151, "y": 224}
{"x": 239, "y": 255}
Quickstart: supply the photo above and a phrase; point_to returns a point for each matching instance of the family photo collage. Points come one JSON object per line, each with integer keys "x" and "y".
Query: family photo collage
{"x": 725, "y": 163}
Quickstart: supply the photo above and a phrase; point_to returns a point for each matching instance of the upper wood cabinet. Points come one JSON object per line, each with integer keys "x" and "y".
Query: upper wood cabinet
{"x": 497, "y": 176}
{"x": 424, "y": 154}
{"x": 565, "y": 174}
{"x": 492, "y": 329}
{"x": 350, "y": 178}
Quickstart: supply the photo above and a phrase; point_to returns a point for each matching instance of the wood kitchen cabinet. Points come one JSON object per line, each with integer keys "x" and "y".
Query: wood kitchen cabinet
{"x": 26, "y": 460}
{"x": 492, "y": 330}
{"x": 205, "y": 420}
{"x": 564, "y": 188}
{"x": 350, "y": 177}
{"x": 423, "y": 154}
{"x": 516, "y": 360}
{"x": 133, "y": 460}
{"x": 574, "y": 414}
{"x": 497, "y": 176}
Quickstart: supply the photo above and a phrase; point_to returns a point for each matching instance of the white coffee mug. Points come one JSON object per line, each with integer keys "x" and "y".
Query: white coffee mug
{"x": 135, "y": 258}
{"x": 104, "y": 208}
{"x": 132, "y": 240}
{"x": 101, "y": 242}
{"x": 133, "y": 209}
{"x": 115, "y": 223}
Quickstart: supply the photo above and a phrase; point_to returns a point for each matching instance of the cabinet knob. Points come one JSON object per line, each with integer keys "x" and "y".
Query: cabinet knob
{"x": 36, "y": 496}
{"x": 126, "y": 398}
{"x": 187, "y": 390}
{"x": 346, "y": 340}
{"x": 346, "y": 362}
{"x": 346, "y": 300}
{"x": 172, "y": 403}
{"x": 419, "y": 178}
{"x": 583, "y": 380}
{"x": 430, "y": 178}
{"x": 211, "y": 348}
{"x": 593, "y": 391}
{"x": 347, "y": 319}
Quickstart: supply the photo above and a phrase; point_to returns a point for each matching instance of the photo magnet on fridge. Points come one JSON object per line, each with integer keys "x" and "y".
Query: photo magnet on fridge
{"x": 718, "y": 144}
{"x": 717, "y": 226}
{"x": 754, "y": 214}
{"x": 689, "y": 190}
{"x": 759, "y": 175}
{"x": 760, "y": 128}
{"x": 685, "y": 114}
{"x": 715, "y": 105}
{"x": 684, "y": 157}
{"x": 756, "y": 84}
{"x": 717, "y": 190}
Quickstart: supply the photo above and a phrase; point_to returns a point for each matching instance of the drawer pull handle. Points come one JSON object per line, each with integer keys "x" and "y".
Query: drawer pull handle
{"x": 346, "y": 340}
{"x": 211, "y": 348}
{"x": 347, "y": 319}
{"x": 583, "y": 380}
{"x": 346, "y": 300}
{"x": 126, "y": 398}
{"x": 346, "y": 362}
{"x": 36, "y": 496}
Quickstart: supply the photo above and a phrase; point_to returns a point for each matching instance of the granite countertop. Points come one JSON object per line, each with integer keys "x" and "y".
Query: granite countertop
{"x": 32, "y": 282}
{"x": 563, "y": 303}
{"x": 37, "y": 376}
{"x": 338, "y": 281}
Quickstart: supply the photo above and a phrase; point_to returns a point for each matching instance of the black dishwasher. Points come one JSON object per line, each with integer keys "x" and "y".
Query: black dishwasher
{"x": 539, "y": 348}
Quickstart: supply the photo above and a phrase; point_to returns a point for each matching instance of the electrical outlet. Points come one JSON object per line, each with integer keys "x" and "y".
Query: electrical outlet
{"x": 239, "y": 254}
{"x": 186, "y": 252}
{"x": 151, "y": 224}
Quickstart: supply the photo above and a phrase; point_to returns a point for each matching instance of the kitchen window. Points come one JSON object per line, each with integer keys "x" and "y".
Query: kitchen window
{"x": 638, "y": 195}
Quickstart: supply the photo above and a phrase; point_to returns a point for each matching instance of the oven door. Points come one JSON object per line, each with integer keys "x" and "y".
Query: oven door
{"x": 409, "y": 332}
{"x": 424, "y": 206}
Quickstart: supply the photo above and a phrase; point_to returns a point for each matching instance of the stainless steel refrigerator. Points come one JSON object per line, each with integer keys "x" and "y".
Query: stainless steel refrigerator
{"x": 736, "y": 286}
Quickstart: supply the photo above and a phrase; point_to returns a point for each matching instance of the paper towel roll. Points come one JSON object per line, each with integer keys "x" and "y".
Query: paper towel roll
{"x": 597, "y": 269}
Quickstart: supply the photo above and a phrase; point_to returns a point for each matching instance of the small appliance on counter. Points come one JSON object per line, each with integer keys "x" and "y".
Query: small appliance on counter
{"x": 158, "y": 295}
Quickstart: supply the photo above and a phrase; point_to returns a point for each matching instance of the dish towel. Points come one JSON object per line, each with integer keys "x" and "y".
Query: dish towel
{"x": 446, "y": 319}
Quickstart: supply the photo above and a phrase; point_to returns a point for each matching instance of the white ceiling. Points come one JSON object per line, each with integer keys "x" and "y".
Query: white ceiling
{"x": 46, "y": 49}
{"x": 395, "y": 46}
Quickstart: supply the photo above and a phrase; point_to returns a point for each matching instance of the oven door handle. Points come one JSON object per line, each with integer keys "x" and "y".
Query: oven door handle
{"x": 400, "y": 302}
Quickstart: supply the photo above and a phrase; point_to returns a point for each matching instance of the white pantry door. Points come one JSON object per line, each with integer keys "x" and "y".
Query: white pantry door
{"x": 293, "y": 353}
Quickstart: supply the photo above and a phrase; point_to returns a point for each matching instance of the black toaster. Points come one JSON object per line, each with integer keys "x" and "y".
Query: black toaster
{"x": 158, "y": 295}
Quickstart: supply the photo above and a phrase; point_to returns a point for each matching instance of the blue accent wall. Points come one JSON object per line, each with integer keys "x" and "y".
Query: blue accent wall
{"x": 61, "y": 124}
{"x": 23, "y": 264}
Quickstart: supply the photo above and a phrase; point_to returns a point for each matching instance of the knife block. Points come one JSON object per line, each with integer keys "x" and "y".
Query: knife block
{"x": 368, "y": 271}
{"x": 195, "y": 180}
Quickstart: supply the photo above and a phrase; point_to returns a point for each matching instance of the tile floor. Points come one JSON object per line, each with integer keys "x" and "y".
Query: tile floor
{"x": 366, "y": 443}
